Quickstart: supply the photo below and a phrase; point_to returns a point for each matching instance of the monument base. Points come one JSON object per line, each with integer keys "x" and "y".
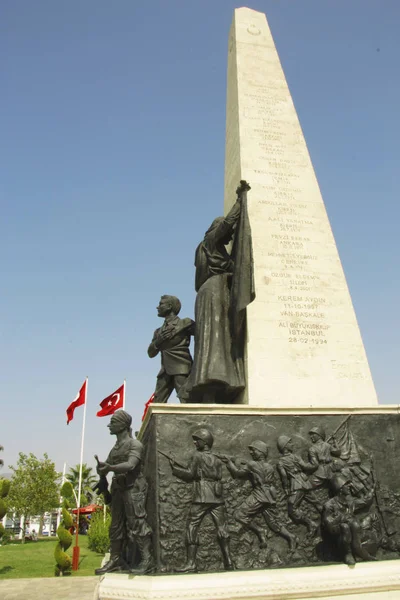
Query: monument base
{"x": 313, "y": 567}
{"x": 370, "y": 581}
{"x": 282, "y": 508}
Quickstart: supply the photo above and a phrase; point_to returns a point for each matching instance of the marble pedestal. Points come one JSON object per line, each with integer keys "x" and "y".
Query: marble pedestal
{"x": 377, "y": 581}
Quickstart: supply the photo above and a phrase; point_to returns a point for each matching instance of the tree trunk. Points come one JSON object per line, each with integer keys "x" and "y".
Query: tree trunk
{"x": 41, "y": 519}
{"x": 22, "y": 526}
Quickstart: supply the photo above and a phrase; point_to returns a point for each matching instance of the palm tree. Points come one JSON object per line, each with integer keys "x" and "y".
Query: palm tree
{"x": 88, "y": 481}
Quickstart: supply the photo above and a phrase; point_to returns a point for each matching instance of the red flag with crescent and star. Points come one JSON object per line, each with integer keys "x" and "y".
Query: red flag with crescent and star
{"x": 112, "y": 403}
{"x": 79, "y": 401}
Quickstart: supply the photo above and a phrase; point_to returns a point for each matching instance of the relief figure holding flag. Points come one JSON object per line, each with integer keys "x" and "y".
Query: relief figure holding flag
{"x": 225, "y": 287}
{"x": 320, "y": 455}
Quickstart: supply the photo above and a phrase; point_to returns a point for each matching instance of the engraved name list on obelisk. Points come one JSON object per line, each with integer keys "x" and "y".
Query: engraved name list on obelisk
{"x": 304, "y": 347}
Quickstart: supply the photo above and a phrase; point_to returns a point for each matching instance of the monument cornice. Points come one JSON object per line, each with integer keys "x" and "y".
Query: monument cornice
{"x": 242, "y": 409}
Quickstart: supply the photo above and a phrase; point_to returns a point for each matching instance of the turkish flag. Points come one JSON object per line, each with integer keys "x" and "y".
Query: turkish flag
{"x": 146, "y": 406}
{"x": 112, "y": 403}
{"x": 79, "y": 400}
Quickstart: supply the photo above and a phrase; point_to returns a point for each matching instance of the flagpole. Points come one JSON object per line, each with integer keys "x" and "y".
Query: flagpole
{"x": 59, "y": 509}
{"x": 82, "y": 441}
{"x": 75, "y": 553}
{"x": 123, "y": 404}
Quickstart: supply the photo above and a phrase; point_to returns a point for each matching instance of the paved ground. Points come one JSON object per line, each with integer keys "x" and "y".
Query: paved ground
{"x": 47, "y": 588}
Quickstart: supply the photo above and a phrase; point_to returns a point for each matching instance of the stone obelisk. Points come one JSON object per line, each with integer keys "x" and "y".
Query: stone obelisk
{"x": 304, "y": 346}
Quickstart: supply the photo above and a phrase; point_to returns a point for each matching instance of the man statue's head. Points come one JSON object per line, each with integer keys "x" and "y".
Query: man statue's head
{"x": 284, "y": 444}
{"x": 340, "y": 485}
{"x": 316, "y": 433}
{"x": 258, "y": 450}
{"x": 168, "y": 305}
{"x": 203, "y": 439}
{"x": 120, "y": 421}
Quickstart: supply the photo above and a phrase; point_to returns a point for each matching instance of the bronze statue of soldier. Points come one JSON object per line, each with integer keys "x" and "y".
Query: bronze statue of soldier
{"x": 205, "y": 471}
{"x": 172, "y": 340}
{"x": 127, "y": 497}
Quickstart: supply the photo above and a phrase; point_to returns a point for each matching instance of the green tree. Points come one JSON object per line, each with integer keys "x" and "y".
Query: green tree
{"x": 34, "y": 487}
{"x": 88, "y": 481}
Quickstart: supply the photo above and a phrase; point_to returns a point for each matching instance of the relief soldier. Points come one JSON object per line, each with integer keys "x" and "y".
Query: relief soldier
{"x": 127, "y": 498}
{"x": 262, "y": 499}
{"x": 341, "y": 522}
{"x": 294, "y": 471}
{"x": 320, "y": 456}
{"x": 172, "y": 339}
{"x": 205, "y": 471}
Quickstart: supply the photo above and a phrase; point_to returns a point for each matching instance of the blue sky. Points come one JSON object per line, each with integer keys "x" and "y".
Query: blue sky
{"x": 112, "y": 161}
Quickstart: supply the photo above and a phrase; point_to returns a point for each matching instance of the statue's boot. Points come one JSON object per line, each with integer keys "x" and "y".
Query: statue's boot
{"x": 292, "y": 539}
{"x": 190, "y": 565}
{"x": 262, "y": 538}
{"x": 115, "y": 559}
{"x": 348, "y": 551}
{"x": 359, "y": 550}
{"x": 226, "y": 554}
{"x": 349, "y": 559}
{"x": 146, "y": 564}
{"x": 312, "y": 526}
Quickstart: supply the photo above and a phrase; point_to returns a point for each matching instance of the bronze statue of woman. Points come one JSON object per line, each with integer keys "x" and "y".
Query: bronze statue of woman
{"x": 225, "y": 286}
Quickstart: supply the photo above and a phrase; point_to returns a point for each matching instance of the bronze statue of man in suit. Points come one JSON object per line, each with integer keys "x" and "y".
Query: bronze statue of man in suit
{"x": 172, "y": 339}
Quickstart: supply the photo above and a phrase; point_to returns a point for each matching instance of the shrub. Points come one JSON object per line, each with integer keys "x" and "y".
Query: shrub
{"x": 65, "y": 537}
{"x": 67, "y": 518}
{"x": 3, "y": 508}
{"x": 5, "y": 538}
{"x": 67, "y": 491}
{"x": 62, "y": 559}
{"x": 63, "y": 566}
{"x": 98, "y": 538}
{"x": 4, "y": 487}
